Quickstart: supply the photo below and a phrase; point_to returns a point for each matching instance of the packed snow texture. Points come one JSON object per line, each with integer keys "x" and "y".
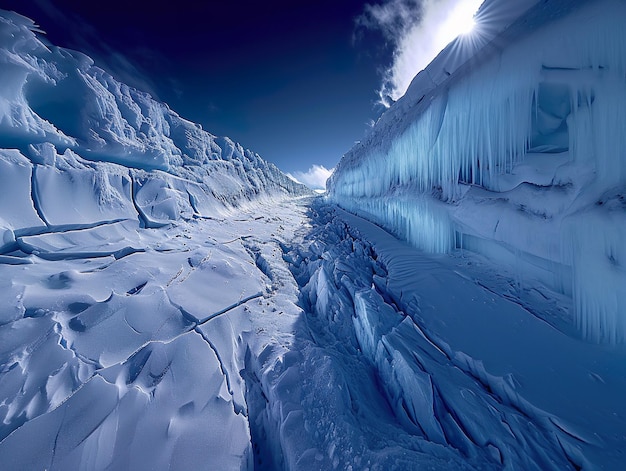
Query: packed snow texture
{"x": 403, "y": 360}
{"x": 113, "y": 351}
{"x": 169, "y": 301}
{"x": 512, "y": 144}
{"x": 73, "y": 122}
{"x": 121, "y": 347}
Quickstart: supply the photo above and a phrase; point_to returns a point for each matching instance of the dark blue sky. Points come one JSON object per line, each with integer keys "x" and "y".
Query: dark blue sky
{"x": 285, "y": 78}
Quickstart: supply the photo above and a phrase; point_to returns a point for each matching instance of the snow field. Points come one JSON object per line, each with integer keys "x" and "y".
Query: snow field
{"x": 168, "y": 304}
{"x": 403, "y": 360}
{"x": 121, "y": 265}
{"x": 289, "y": 336}
{"x": 522, "y": 346}
{"x": 135, "y": 360}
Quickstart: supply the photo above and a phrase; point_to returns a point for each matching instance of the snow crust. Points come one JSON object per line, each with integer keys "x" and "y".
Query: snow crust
{"x": 170, "y": 301}
{"x": 70, "y": 118}
{"x": 291, "y": 335}
{"x": 121, "y": 346}
{"x": 512, "y": 145}
{"x": 449, "y": 364}
{"x": 116, "y": 267}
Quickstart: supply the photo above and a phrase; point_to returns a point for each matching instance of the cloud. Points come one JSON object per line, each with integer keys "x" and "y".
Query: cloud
{"x": 315, "y": 178}
{"x": 418, "y": 30}
{"x": 392, "y": 18}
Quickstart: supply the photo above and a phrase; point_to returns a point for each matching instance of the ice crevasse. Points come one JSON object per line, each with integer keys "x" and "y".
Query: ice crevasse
{"x": 512, "y": 143}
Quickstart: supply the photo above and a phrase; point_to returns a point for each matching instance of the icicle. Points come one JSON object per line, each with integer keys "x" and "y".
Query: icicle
{"x": 482, "y": 127}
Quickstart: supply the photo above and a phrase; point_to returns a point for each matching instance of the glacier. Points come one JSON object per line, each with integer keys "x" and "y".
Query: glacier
{"x": 69, "y": 118}
{"x": 170, "y": 300}
{"x": 511, "y": 144}
{"x": 119, "y": 257}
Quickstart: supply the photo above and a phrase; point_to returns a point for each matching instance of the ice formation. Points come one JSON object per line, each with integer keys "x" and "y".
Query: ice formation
{"x": 73, "y": 132}
{"x": 169, "y": 301}
{"x": 512, "y": 144}
{"x": 113, "y": 350}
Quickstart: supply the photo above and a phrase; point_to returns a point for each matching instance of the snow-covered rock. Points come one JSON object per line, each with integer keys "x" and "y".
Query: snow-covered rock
{"x": 512, "y": 144}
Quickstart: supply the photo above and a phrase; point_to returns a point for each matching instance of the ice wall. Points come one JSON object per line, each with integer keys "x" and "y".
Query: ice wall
{"x": 85, "y": 147}
{"x": 516, "y": 146}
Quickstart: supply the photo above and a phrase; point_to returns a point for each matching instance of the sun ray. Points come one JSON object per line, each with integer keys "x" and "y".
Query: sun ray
{"x": 460, "y": 20}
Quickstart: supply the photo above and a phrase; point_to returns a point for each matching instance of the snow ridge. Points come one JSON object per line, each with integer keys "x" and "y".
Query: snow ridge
{"x": 67, "y": 116}
{"x": 125, "y": 282}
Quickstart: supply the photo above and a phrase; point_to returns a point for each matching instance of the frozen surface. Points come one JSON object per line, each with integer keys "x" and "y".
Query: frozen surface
{"x": 291, "y": 335}
{"x": 122, "y": 346}
{"x": 169, "y": 300}
{"x": 511, "y": 144}
{"x": 125, "y": 289}
{"x": 72, "y": 119}
{"x": 409, "y": 361}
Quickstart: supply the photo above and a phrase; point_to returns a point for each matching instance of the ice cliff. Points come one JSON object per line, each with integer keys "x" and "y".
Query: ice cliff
{"x": 512, "y": 143}
{"x": 79, "y": 147}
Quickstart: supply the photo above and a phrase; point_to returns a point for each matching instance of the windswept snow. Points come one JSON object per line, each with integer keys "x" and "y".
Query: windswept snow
{"x": 130, "y": 359}
{"x": 62, "y": 112}
{"x": 123, "y": 266}
{"x": 469, "y": 365}
{"x": 172, "y": 301}
{"x": 290, "y": 337}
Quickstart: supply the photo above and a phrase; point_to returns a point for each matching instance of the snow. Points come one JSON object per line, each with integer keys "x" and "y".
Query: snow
{"x": 130, "y": 360}
{"x": 172, "y": 301}
{"x": 476, "y": 371}
{"x": 506, "y": 145}
{"x": 125, "y": 288}
{"x": 56, "y": 102}
{"x": 525, "y": 361}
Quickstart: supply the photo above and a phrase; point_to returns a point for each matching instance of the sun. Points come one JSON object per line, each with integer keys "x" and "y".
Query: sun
{"x": 465, "y": 25}
{"x": 459, "y": 20}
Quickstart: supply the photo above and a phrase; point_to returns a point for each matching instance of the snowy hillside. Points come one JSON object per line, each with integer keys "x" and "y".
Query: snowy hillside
{"x": 170, "y": 301}
{"x": 115, "y": 253}
{"x": 74, "y": 133}
{"x": 512, "y": 144}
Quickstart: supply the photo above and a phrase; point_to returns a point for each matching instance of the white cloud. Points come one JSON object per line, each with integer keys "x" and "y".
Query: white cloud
{"x": 419, "y": 30}
{"x": 315, "y": 178}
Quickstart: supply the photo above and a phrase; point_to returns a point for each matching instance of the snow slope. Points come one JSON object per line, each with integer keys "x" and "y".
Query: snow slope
{"x": 290, "y": 336}
{"x": 511, "y": 144}
{"x": 111, "y": 148}
{"x": 122, "y": 347}
{"x": 469, "y": 364}
{"x": 117, "y": 267}
{"x": 170, "y": 301}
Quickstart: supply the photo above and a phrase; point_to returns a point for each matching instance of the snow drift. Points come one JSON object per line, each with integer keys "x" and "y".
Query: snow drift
{"x": 82, "y": 147}
{"x": 119, "y": 268}
{"x": 512, "y": 144}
